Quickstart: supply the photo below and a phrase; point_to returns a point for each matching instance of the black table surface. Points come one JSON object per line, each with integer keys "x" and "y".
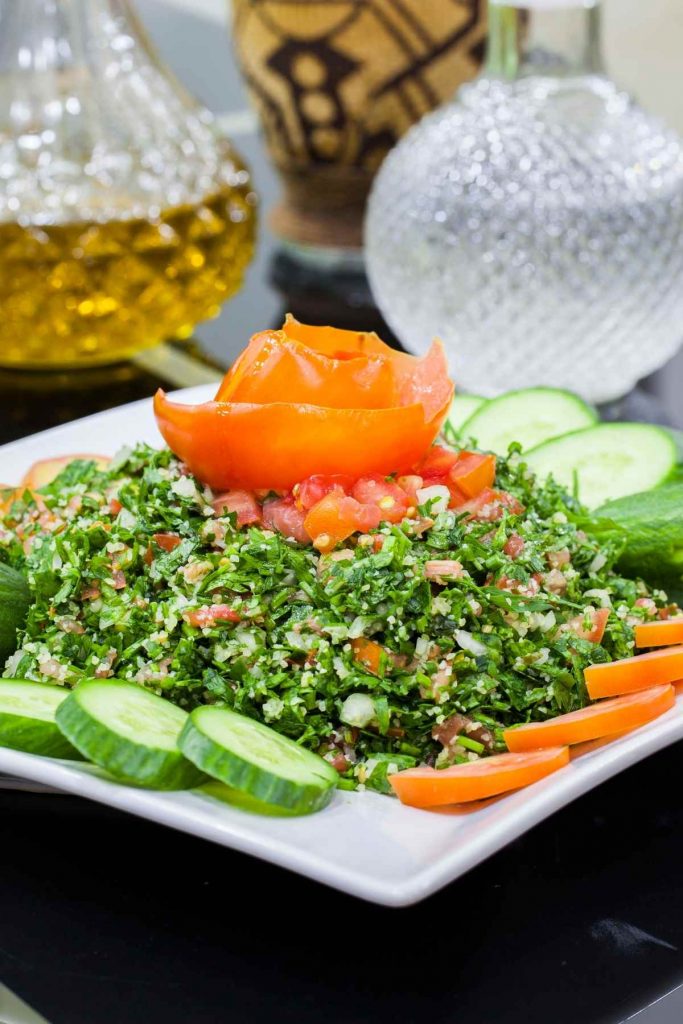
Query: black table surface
{"x": 107, "y": 919}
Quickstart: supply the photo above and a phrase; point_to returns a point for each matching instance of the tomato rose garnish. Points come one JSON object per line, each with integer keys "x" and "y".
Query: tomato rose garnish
{"x": 311, "y": 400}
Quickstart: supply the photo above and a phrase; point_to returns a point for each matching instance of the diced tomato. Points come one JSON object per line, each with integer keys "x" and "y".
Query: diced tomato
{"x": 332, "y": 520}
{"x": 391, "y": 500}
{"x": 282, "y": 515}
{"x": 115, "y": 506}
{"x": 368, "y": 517}
{"x": 490, "y": 506}
{"x": 594, "y": 632}
{"x": 336, "y": 517}
{"x": 411, "y": 484}
{"x": 443, "y": 569}
{"x": 242, "y": 503}
{"x": 167, "y": 541}
{"x": 438, "y": 462}
{"x": 341, "y": 762}
{"x": 210, "y": 615}
{"x": 312, "y": 490}
{"x": 514, "y": 545}
{"x": 557, "y": 559}
{"x": 473, "y": 472}
{"x": 458, "y": 497}
{"x": 528, "y": 589}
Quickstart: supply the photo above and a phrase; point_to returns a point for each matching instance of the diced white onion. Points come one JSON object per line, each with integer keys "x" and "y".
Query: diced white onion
{"x": 185, "y": 487}
{"x": 469, "y": 643}
{"x": 598, "y": 562}
{"x": 437, "y": 496}
{"x": 358, "y": 626}
{"x": 126, "y": 519}
{"x": 358, "y": 709}
{"x": 422, "y": 646}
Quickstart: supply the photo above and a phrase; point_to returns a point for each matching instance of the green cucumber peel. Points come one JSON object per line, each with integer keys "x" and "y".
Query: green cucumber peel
{"x": 255, "y": 759}
{"x": 15, "y": 601}
{"x": 27, "y": 719}
{"x": 129, "y": 732}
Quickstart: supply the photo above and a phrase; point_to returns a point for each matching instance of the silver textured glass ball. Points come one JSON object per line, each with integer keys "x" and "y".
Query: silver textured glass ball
{"x": 536, "y": 226}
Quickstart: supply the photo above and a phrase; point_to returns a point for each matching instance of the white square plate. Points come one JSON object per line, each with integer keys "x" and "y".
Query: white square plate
{"x": 363, "y": 843}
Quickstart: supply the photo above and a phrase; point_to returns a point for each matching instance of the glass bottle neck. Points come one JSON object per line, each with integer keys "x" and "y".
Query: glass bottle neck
{"x": 551, "y": 38}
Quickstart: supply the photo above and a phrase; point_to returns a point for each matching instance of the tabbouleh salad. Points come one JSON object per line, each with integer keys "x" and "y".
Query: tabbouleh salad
{"x": 415, "y": 643}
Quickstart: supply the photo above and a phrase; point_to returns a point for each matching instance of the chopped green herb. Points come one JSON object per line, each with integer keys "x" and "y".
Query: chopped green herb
{"x": 483, "y": 620}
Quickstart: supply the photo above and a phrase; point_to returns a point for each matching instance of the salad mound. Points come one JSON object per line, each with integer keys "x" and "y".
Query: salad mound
{"x": 415, "y": 642}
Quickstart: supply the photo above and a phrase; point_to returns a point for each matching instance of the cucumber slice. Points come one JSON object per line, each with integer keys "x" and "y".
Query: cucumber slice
{"x": 129, "y": 732}
{"x": 607, "y": 461}
{"x": 15, "y": 601}
{"x": 257, "y": 760}
{"x": 27, "y": 718}
{"x": 530, "y": 416}
{"x": 462, "y": 407}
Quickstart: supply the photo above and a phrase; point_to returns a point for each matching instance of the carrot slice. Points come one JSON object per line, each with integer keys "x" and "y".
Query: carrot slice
{"x": 476, "y": 780}
{"x": 660, "y": 634}
{"x": 639, "y": 673}
{"x": 367, "y": 653}
{"x": 593, "y": 722}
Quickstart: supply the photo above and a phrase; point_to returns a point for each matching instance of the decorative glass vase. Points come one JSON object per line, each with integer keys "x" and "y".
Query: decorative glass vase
{"x": 336, "y": 84}
{"x": 536, "y": 223}
{"x": 124, "y": 218}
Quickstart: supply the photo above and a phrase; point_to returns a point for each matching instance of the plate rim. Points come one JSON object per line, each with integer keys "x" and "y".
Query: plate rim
{"x": 515, "y": 813}
{"x": 519, "y": 811}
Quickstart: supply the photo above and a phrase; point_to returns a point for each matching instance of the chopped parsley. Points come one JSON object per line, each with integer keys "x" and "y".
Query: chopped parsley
{"x": 481, "y": 622}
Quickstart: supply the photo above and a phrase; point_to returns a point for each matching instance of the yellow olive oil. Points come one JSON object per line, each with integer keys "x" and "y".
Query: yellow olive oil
{"x": 78, "y": 294}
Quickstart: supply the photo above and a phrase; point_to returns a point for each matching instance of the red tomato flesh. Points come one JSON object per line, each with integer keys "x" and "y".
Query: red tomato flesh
{"x": 167, "y": 541}
{"x": 242, "y": 503}
{"x": 210, "y": 615}
{"x": 391, "y": 500}
{"x": 438, "y": 462}
{"x": 472, "y": 473}
{"x": 284, "y": 517}
{"x": 312, "y": 490}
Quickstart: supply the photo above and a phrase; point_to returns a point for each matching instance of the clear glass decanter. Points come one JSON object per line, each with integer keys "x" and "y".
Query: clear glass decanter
{"x": 536, "y": 223}
{"x": 124, "y": 218}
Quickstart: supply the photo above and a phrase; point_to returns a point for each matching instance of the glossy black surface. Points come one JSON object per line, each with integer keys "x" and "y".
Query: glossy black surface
{"x": 105, "y": 919}
{"x": 111, "y": 920}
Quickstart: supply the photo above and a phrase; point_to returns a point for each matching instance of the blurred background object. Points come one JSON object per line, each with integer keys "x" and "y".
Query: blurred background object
{"x": 336, "y": 84}
{"x": 193, "y": 39}
{"x": 124, "y": 218}
{"x": 536, "y": 223}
